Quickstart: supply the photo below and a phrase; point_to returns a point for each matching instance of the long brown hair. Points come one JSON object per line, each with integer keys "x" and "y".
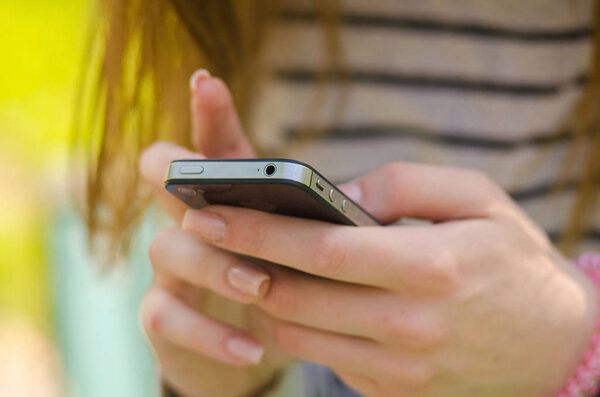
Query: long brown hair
{"x": 138, "y": 62}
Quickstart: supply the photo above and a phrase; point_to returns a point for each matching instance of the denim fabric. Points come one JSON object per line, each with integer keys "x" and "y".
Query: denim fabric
{"x": 324, "y": 383}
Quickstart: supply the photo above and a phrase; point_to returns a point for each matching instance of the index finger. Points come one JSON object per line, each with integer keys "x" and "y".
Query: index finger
{"x": 216, "y": 127}
{"x": 153, "y": 166}
{"x": 429, "y": 192}
{"x": 386, "y": 257}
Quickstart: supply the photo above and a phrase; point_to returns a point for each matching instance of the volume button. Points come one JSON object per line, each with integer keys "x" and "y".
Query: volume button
{"x": 344, "y": 204}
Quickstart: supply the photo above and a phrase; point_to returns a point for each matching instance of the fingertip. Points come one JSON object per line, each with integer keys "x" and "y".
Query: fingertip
{"x": 245, "y": 349}
{"x": 151, "y": 308}
{"x": 207, "y": 224}
{"x": 209, "y": 93}
{"x": 353, "y": 190}
{"x": 248, "y": 279}
{"x": 264, "y": 287}
{"x": 198, "y": 76}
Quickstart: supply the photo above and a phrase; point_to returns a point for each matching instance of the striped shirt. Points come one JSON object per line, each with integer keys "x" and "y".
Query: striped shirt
{"x": 482, "y": 84}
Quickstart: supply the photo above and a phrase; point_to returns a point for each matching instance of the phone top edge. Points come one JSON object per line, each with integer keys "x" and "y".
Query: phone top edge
{"x": 281, "y": 159}
{"x": 286, "y": 170}
{"x": 228, "y": 169}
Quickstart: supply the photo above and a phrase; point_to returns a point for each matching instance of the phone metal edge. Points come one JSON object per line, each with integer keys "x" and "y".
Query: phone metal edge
{"x": 284, "y": 170}
{"x": 181, "y": 170}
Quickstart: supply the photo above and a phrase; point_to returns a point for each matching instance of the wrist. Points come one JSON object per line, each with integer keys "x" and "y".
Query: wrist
{"x": 585, "y": 372}
{"x": 258, "y": 391}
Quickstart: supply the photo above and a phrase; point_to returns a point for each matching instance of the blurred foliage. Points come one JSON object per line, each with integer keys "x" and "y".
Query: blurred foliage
{"x": 41, "y": 43}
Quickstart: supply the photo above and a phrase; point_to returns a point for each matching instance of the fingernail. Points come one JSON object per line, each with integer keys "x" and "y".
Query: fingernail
{"x": 245, "y": 350}
{"x": 248, "y": 279}
{"x": 207, "y": 224}
{"x": 200, "y": 74}
{"x": 352, "y": 190}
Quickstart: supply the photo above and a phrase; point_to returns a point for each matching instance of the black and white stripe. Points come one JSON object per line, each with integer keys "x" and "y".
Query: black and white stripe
{"x": 449, "y": 138}
{"x": 470, "y": 83}
{"x": 423, "y": 81}
{"x": 403, "y": 24}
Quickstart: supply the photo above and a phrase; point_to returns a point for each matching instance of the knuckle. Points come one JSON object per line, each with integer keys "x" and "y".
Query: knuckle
{"x": 483, "y": 180}
{"x": 330, "y": 254}
{"x": 281, "y": 301}
{"x": 399, "y": 330}
{"x": 410, "y": 376}
{"x": 439, "y": 273}
{"x": 478, "y": 176}
{"x": 395, "y": 168}
{"x": 417, "y": 377}
{"x": 158, "y": 246}
{"x": 394, "y": 328}
{"x": 395, "y": 173}
{"x": 151, "y": 309}
{"x": 421, "y": 377}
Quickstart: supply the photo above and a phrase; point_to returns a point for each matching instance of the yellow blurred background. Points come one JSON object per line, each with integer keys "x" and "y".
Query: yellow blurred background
{"x": 41, "y": 44}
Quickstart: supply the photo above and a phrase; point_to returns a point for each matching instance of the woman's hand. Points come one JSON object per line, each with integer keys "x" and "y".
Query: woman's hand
{"x": 478, "y": 303}
{"x": 199, "y": 337}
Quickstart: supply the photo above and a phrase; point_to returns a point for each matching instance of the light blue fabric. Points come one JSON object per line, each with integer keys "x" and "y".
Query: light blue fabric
{"x": 102, "y": 345}
{"x": 103, "y": 348}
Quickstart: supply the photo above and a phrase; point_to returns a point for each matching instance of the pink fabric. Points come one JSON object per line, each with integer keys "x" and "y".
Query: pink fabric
{"x": 586, "y": 381}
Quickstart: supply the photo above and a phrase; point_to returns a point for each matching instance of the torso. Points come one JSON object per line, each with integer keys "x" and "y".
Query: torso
{"x": 467, "y": 83}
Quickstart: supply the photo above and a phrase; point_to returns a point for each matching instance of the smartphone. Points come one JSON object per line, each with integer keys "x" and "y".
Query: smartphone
{"x": 281, "y": 186}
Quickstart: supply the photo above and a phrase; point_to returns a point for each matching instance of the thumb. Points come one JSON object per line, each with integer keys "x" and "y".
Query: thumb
{"x": 400, "y": 190}
{"x": 216, "y": 128}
